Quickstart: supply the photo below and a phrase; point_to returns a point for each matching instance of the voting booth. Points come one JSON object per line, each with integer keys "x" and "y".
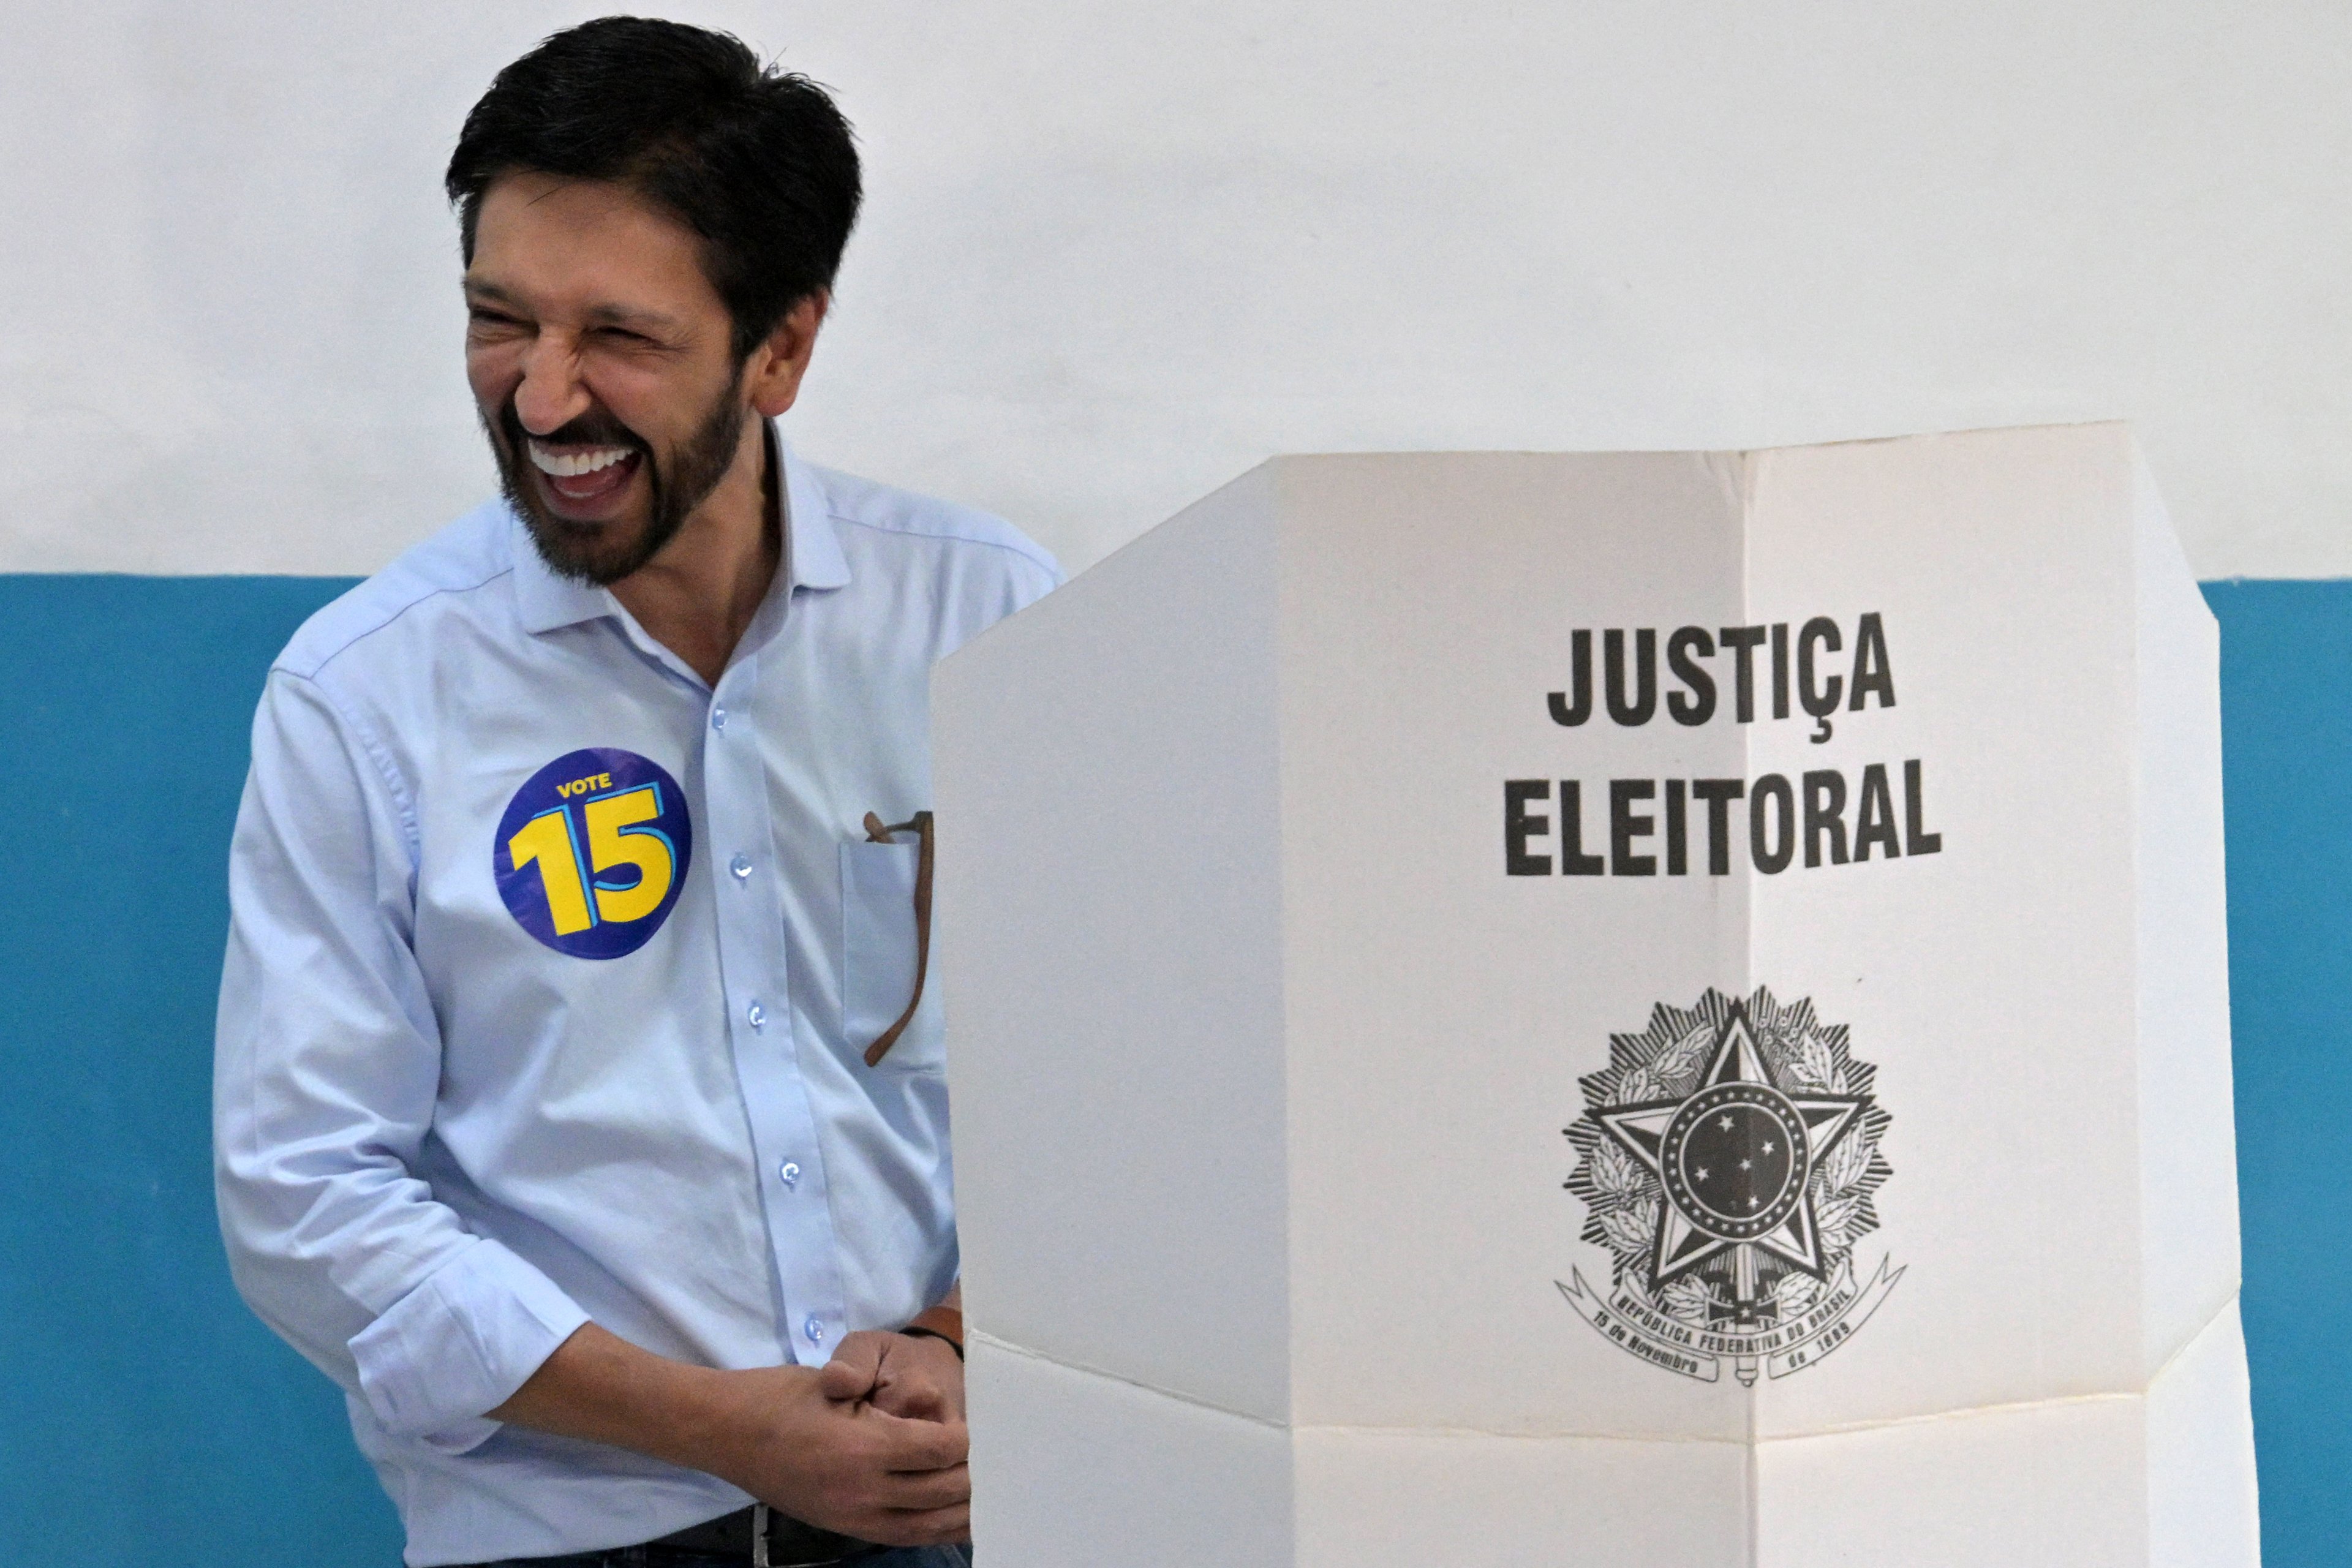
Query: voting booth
{"x": 1634, "y": 1009}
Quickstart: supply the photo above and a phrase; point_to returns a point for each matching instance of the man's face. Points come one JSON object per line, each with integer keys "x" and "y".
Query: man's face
{"x": 600, "y": 363}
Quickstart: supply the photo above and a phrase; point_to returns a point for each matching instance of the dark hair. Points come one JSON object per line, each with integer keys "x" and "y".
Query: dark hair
{"x": 756, "y": 160}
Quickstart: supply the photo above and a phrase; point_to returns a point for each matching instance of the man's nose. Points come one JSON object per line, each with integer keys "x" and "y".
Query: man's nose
{"x": 552, "y": 393}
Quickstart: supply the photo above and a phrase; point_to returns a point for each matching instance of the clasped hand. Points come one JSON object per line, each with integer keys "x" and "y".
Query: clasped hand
{"x": 910, "y": 1375}
{"x": 872, "y": 1444}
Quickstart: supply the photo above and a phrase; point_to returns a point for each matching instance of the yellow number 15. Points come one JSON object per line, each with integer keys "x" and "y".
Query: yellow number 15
{"x": 615, "y": 838}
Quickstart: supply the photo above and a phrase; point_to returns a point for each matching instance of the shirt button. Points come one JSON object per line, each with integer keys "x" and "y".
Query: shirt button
{"x": 814, "y": 1328}
{"x": 741, "y": 866}
{"x": 756, "y": 1016}
{"x": 718, "y": 718}
{"x": 789, "y": 1172}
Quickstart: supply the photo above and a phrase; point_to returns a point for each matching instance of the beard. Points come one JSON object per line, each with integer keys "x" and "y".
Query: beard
{"x": 601, "y": 554}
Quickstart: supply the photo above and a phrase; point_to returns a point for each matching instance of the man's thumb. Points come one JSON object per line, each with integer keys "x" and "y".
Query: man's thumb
{"x": 847, "y": 1377}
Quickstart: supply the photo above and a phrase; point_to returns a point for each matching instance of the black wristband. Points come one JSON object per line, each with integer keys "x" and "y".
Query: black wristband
{"x": 915, "y": 1333}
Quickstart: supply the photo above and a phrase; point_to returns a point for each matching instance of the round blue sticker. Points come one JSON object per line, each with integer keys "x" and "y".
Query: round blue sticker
{"x": 592, "y": 851}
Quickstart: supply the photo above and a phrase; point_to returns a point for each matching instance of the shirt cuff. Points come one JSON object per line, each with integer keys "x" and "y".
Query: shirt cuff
{"x": 461, "y": 1344}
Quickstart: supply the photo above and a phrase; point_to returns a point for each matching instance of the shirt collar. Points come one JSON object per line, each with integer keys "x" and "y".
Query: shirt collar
{"x": 813, "y": 555}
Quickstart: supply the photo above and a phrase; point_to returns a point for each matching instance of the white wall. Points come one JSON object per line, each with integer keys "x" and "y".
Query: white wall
{"x": 1116, "y": 254}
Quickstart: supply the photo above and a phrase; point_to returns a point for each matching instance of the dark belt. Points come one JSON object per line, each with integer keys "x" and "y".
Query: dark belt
{"x": 787, "y": 1543}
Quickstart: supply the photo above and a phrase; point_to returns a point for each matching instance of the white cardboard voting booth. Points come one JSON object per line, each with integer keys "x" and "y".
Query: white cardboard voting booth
{"x": 1660, "y": 1009}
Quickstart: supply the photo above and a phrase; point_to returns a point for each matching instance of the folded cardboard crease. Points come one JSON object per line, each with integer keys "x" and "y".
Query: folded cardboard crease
{"x": 2222, "y": 1324}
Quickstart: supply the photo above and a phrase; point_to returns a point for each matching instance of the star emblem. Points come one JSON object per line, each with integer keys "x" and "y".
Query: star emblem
{"x": 1735, "y": 1157}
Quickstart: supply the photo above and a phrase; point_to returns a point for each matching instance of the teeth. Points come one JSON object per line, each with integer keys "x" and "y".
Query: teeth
{"x": 573, "y": 465}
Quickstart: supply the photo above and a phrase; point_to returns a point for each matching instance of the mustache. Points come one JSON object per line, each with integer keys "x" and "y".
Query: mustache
{"x": 593, "y": 429}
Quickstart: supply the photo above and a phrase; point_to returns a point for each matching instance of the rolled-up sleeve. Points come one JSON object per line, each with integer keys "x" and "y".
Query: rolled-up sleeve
{"x": 326, "y": 1066}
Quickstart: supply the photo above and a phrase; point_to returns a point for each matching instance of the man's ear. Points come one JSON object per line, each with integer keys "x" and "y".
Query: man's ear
{"x": 778, "y": 364}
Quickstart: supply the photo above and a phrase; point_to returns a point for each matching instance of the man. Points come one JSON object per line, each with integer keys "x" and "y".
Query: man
{"x": 571, "y": 1111}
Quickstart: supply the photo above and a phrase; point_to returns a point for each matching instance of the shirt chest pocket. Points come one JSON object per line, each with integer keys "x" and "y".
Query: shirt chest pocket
{"x": 881, "y": 957}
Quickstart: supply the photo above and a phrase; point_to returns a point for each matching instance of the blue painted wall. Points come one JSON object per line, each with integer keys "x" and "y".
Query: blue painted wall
{"x": 2286, "y": 762}
{"x": 145, "y": 1416}
{"x": 144, "y": 1412}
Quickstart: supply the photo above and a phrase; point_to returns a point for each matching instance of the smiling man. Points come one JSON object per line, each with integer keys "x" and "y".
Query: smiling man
{"x": 578, "y": 1107}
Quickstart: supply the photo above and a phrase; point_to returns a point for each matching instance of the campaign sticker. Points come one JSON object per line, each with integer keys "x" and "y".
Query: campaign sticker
{"x": 592, "y": 850}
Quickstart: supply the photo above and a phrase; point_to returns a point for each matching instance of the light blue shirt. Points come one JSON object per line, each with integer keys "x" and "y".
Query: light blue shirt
{"x": 549, "y": 975}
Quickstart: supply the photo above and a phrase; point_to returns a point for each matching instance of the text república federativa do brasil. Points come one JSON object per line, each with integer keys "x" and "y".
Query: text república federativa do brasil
{"x": 1823, "y": 816}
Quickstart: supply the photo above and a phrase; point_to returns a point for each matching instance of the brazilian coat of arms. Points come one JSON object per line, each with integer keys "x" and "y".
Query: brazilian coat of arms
{"x": 1729, "y": 1159}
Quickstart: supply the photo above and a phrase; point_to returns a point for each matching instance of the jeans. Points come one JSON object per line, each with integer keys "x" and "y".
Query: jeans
{"x": 636, "y": 1557}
